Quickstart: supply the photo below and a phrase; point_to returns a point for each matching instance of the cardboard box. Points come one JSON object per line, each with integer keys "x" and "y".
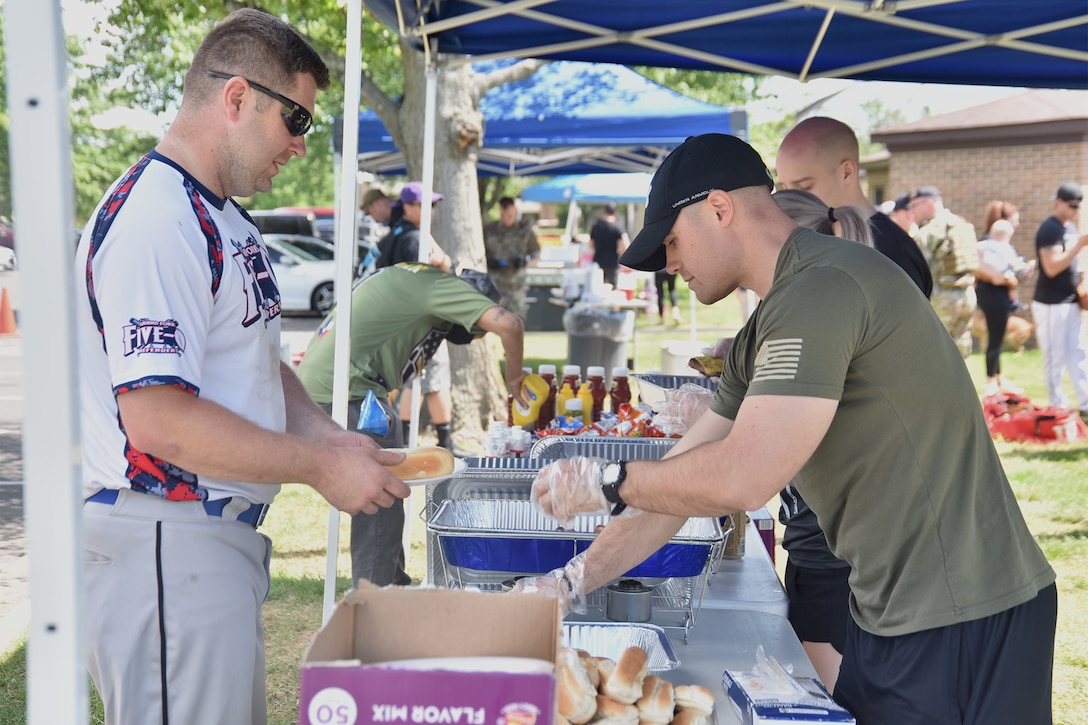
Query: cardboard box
{"x": 770, "y": 705}
{"x": 341, "y": 684}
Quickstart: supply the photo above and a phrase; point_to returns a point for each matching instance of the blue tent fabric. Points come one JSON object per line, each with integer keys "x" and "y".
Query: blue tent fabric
{"x": 1026, "y": 43}
{"x": 632, "y": 187}
{"x": 544, "y": 124}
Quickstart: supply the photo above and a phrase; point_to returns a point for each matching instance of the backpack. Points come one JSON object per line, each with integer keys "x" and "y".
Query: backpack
{"x": 1015, "y": 418}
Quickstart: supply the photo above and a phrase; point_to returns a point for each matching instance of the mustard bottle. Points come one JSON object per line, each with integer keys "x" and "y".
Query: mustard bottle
{"x": 534, "y": 389}
{"x": 586, "y": 396}
{"x": 565, "y": 393}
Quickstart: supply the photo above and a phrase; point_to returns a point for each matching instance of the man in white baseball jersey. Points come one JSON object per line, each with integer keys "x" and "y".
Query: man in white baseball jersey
{"x": 189, "y": 420}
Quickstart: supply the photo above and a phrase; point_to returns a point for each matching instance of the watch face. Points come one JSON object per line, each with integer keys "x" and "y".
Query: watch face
{"x": 610, "y": 473}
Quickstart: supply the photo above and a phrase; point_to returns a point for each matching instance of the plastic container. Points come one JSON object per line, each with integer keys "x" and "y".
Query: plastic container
{"x": 621, "y": 390}
{"x": 535, "y": 389}
{"x": 585, "y": 397}
{"x": 573, "y": 410}
{"x": 565, "y": 394}
{"x": 597, "y": 389}
{"x": 547, "y": 409}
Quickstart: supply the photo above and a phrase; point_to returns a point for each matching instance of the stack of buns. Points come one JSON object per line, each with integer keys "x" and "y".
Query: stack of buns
{"x": 619, "y": 692}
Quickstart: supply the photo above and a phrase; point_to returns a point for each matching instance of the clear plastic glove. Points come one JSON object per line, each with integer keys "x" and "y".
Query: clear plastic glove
{"x": 681, "y": 408}
{"x": 566, "y": 584}
{"x": 569, "y": 487}
{"x": 719, "y": 349}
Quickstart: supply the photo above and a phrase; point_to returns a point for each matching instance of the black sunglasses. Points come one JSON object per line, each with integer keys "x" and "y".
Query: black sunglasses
{"x": 297, "y": 119}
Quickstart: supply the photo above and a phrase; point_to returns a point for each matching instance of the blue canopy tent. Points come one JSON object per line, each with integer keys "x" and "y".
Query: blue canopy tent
{"x": 631, "y": 187}
{"x": 1040, "y": 44}
{"x": 570, "y": 118}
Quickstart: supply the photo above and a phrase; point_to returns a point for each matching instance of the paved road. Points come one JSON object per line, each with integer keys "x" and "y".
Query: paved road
{"x": 14, "y": 590}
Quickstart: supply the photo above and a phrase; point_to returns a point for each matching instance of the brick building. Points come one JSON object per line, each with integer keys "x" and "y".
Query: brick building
{"x": 1019, "y": 149}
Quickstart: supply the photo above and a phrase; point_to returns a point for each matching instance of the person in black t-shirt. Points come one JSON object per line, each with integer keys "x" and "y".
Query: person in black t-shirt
{"x": 608, "y": 241}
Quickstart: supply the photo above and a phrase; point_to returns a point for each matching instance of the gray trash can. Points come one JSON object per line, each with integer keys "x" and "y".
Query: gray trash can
{"x": 598, "y": 337}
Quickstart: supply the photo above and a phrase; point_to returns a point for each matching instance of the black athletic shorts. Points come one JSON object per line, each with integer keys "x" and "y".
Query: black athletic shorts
{"x": 819, "y": 603}
{"x": 992, "y": 671}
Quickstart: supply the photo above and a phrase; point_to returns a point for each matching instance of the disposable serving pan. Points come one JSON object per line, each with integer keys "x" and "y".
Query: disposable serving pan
{"x": 613, "y": 449}
{"x": 652, "y": 387}
{"x": 610, "y": 639}
{"x": 514, "y": 536}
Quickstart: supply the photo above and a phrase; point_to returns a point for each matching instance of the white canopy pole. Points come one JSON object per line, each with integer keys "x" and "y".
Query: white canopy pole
{"x": 345, "y": 256}
{"x": 53, "y": 501}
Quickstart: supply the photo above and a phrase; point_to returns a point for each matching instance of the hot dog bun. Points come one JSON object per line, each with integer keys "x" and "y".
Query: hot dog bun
{"x": 577, "y": 696}
{"x": 423, "y": 463}
{"x": 610, "y": 712}
{"x": 689, "y": 717}
{"x": 696, "y": 698}
{"x": 657, "y": 703}
{"x": 625, "y": 683}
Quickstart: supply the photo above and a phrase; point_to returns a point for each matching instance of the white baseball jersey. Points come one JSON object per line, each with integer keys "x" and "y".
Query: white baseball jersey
{"x": 173, "y": 287}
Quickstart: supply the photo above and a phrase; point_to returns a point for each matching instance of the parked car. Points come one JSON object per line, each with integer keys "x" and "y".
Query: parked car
{"x": 317, "y": 247}
{"x": 305, "y": 282}
{"x": 7, "y": 258}
{"x": 307, "y": 221}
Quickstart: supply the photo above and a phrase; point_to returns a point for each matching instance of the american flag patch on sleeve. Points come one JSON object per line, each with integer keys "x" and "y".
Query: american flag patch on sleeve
{"x": 778, "y": 359}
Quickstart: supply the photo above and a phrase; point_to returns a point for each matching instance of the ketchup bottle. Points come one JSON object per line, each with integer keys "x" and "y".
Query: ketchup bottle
{"x": 621, "y": 391}
{"x": 547, "y": 409}
{"x": 595, "y": 378}
{"x": 572, "y": 374}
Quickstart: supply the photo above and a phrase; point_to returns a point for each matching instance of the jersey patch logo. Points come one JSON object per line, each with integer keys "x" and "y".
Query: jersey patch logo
{"x": 159, "y": 337}
{"x": 262, "y": 291}
{"x": 778, "y": 359}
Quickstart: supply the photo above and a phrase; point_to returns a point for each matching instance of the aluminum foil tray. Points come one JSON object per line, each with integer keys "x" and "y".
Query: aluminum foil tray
{"x": 652, "y": 387}
{"x": 622, "y": 449}
{"x": 610, "y": 639}
{"x": 514, "y": 536}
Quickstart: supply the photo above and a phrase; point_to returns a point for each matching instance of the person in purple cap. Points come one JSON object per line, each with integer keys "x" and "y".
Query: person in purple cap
{"x": 401, "y": 244}
{"x": 953, "y": 604}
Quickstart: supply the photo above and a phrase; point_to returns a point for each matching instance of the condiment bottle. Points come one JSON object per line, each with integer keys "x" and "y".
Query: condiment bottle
{"x": 573, "y": 411}
{"x": 595, "y": 376}
{"x": 586, "y": 396}
{"x": 572, "y": 374}
{"x": 565, "y": 394}
{"x": 621, "y": 391}
{"x": 547, "y": 408}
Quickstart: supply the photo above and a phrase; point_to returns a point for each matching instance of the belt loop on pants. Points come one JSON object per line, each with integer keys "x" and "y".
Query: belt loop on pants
{"x": 233, "y": 508}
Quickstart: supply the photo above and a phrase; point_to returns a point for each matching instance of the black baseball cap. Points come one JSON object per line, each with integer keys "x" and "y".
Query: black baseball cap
{"x": 483, "y": 284}
{"x": 1070, "y": 191}
{"x": 687, "y": 175}
{"x": 901, "y": 202}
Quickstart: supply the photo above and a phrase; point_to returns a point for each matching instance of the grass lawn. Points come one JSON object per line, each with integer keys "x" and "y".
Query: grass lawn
{"x": 1051, "y": 483}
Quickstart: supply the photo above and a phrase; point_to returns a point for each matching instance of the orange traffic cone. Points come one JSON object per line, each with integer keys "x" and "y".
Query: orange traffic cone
{"x": 7, "y": 316}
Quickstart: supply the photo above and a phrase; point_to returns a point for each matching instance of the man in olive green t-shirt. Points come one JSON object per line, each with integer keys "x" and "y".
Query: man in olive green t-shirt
{"x": 845, "y": 382}
{"x": 399, "y": 315}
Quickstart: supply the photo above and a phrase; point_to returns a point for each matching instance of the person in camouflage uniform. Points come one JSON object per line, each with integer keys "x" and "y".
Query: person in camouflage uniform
{"x": 950, "y": 247}
{"x": 510, "y": 244}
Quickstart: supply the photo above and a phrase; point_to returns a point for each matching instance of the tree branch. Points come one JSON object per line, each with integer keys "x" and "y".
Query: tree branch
{"x": 515, "y": 72}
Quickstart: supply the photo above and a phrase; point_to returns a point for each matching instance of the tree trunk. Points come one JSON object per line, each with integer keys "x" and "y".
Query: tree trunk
{"x": 478, "y": 386}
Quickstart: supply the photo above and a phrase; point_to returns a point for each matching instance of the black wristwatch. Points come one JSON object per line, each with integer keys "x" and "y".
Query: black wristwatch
{"x": 613, "y": 474}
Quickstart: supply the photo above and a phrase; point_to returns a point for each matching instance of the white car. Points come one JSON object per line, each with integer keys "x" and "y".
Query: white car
{"x": 7, "y": 258}
{"x": 305, "y": 282}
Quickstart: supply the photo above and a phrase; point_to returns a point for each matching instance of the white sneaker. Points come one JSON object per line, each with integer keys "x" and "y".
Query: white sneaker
{"x": 990, "y": 388}
{"x": 1010, "y": 388}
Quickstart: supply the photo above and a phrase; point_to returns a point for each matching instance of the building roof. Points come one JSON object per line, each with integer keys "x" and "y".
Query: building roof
{"x": 1043, "y": 114}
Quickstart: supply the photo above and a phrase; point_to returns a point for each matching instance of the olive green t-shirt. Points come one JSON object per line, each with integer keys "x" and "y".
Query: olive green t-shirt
{"x": 399, "y": 316}
{"x": 907, "y": 484}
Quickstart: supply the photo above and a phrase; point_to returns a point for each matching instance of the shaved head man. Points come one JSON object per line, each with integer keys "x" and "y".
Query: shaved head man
{"x": 820, "y": 155}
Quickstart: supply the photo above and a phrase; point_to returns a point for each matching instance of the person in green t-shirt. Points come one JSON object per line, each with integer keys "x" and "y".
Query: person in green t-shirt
{"x": 845, "y": 382}
{"x": 399, "y": 316}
